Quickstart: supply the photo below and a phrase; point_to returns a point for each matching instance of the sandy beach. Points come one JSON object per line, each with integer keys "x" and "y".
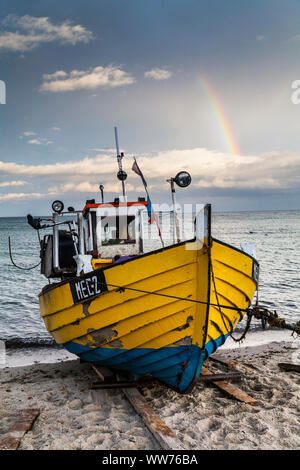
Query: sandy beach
{"x": 74, "y": 417}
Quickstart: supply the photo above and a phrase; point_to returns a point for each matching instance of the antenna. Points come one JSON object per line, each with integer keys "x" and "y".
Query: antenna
{"x": 101, "y": 187}
{"x": 121, "y": 175}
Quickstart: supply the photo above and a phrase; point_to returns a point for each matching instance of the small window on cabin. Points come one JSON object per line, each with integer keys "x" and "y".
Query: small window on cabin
{"x": 118, "y": 230}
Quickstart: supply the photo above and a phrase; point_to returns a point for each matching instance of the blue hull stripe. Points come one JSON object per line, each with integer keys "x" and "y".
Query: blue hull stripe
{"x": 176, "y": 366}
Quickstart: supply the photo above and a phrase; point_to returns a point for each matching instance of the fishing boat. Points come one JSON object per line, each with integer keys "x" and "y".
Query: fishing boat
{"x": 158, "y": 313}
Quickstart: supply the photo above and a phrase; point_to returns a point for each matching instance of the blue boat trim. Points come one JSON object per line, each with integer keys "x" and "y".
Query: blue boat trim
{"x": 176, "y": 366}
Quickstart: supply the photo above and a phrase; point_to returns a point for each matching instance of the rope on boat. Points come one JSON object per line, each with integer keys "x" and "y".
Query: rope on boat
{"x": 19, "y": 267}
{"x": 123, "y": 288}
{"x": 257, "y": 312}
{"x": 273, "y": 319}
{"x": 249, "y": 316}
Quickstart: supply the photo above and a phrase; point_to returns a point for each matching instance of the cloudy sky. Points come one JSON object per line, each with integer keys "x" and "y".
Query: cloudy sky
{"x": 202, "y": 85}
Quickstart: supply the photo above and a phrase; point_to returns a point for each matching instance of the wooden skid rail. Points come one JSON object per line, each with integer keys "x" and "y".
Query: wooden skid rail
{"x": 231, "y": 390}
{"x": 124, "y": 384}
{"x": 164, "y": 436}
{"x": 19, "y": 429}
{"x": 222, "y": 361}
{"x": 112, "y": 384}
{"x": 219, "y": 377}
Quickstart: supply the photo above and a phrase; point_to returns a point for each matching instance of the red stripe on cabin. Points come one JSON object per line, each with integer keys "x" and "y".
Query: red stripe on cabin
{"x": 110, "y": 204}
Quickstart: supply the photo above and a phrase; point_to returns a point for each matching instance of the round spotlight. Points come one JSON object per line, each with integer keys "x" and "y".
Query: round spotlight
{"x": 58, "y": 206}
{"x": 71, "y": 209}
{"x": 183, "y": 179}
{"x": 122, "y": 175}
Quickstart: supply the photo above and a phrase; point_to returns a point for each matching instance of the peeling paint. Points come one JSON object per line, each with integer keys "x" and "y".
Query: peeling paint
{"x": 85, "y": 308}
{"x": 116, "y": 343}
{"x": 187, "y": 341}
{"x": 187, "y": 324}
{"x": 104, "y": 335}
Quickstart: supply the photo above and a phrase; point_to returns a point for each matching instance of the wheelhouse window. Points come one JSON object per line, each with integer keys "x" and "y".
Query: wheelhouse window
{"x": 118, "y": 230}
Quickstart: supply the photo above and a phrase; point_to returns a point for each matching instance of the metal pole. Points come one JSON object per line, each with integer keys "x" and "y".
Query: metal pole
{"x": 117, "y": 143}
{"x": 119, "y": 157}
{"x": 80, "y": 233}
{"x": 123, "y": 188}
{"x": 176, "y": 221}
{"x": 207, "y": 223}
{"x": 101, "y": 187}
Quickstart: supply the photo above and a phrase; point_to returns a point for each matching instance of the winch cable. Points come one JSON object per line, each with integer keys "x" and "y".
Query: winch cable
{"x": 19, "y": 267}
{"x": 256, "y": 311}
{"x": 123, "y": 288}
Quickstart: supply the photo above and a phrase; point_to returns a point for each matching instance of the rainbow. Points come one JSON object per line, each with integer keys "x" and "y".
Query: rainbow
{"x": 221, "y": 118}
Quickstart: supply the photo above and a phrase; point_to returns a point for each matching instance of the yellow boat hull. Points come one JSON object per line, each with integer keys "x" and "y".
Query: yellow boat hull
{"x": 160, "y": 314}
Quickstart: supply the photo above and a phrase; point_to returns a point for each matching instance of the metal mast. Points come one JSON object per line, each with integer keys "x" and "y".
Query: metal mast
{"x": 121, "y": 174}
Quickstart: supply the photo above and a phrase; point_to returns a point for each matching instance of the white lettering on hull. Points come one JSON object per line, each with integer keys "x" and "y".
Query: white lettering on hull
{"x": 88, "y": 287}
